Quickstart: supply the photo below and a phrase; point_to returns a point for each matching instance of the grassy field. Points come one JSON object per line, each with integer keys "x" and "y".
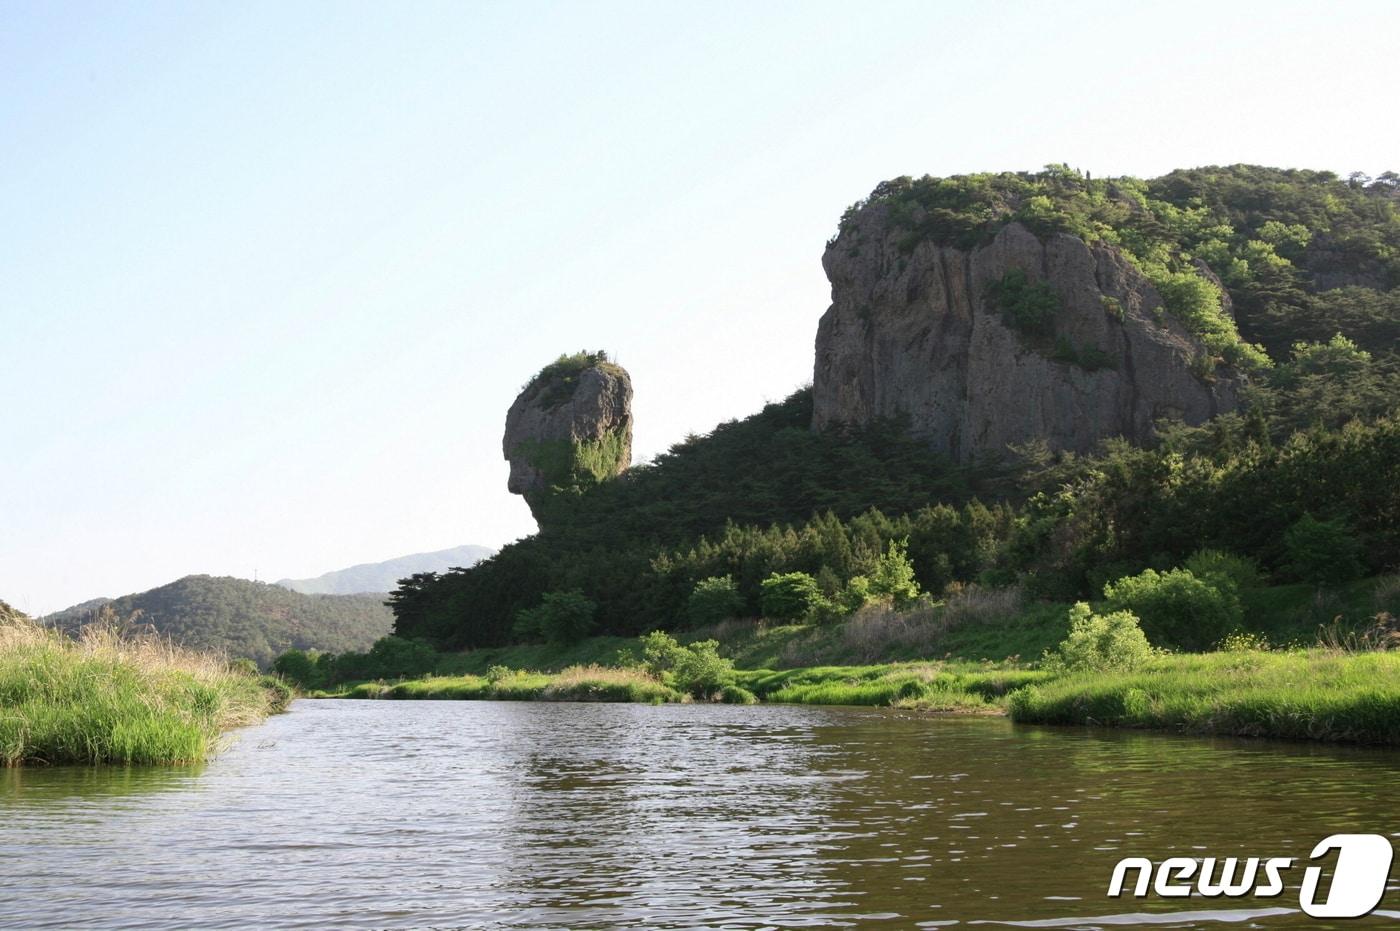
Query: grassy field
{"x": 1312, "y": 694}
{"x": 105, "y": 698}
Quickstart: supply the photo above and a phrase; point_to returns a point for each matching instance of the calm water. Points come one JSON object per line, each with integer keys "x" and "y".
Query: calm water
{"x": 512, "y": 815}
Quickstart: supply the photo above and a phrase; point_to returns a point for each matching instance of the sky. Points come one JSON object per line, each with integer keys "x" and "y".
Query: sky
{"x": 272, "y": 273}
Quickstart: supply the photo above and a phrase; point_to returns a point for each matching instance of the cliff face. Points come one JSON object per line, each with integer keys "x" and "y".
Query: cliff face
{"x": 569, "y": 428}
{"x": 930, "y": 332}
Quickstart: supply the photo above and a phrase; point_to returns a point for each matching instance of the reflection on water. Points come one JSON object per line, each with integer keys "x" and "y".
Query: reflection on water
{"x": 511, "y": 815}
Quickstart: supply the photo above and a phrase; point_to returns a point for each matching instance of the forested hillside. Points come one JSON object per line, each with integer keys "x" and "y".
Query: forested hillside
{"x": 1288, "y": 277}
{"x": 243, "y": 618}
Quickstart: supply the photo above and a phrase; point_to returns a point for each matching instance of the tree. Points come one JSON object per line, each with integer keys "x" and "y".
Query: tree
{"x": 713, "y": 600}
{"x": 560, "y": 617}
{"x": 893, "y": 577}
{"x": 1176, "y": 608}
{"x": 790, "y": 596}
{"x": 1324, "y": 552}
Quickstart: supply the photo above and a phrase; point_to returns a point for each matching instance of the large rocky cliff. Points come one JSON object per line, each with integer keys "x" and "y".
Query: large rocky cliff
{"x": 569, "y": 428}
{"x": 937, "y": 334}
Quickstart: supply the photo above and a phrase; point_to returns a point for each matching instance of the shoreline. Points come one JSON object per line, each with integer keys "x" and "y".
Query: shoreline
{"x": 1309, "y": 695}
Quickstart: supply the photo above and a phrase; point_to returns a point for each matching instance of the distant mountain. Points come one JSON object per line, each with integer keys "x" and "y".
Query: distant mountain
{"x": 244, "y": 618}
{"x": 384, "y": 576}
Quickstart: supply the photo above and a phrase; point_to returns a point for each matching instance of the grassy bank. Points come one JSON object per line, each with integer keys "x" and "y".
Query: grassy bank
{"x": 1300, "y": 669}
{"x": 107, "y": 698}
{"x": 575, "y": 683}
{"x": 1312, "y": 695}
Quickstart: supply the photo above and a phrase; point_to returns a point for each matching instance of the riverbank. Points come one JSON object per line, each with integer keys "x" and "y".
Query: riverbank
{"x": 1314, "y": 694}
{"x": 106, "y": 698}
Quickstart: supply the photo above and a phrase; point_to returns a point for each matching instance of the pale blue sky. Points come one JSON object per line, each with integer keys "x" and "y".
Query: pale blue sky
{"x": 271, "y": 273}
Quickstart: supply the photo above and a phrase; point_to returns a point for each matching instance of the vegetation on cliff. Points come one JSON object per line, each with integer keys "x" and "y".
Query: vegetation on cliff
{"x": 1301, "y": 487}
{"x": 1303, "y": 255}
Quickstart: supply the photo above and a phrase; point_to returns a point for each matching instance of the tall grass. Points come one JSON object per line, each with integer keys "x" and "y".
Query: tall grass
{"x": 575, "y": 683}
{"x": 1303, "y": 694}
{"x": 927, "y": 686}
{"x": 110, "y": 697}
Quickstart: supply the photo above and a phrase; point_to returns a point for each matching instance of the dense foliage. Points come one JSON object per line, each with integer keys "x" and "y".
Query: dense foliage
{"x": 1303, "y": 255}
{"x": 1308, "y": 264}
{"x": 247, "y": 619}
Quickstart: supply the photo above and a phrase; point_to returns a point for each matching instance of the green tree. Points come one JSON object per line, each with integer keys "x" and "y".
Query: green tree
{"x": 560, "y": 617}
{"x": 297, "y": 668}
{"x": 790, "y": 596}
{"x": 1324, "y": 552}
{"x": 1176, "y": 608}
{"x": 714, "y": 599}
{"x": 893, "y": 577}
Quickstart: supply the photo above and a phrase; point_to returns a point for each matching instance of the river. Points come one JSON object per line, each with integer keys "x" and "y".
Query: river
{"x": 355, "y": 814}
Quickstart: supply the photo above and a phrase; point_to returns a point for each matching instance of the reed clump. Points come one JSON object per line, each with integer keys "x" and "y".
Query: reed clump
{"x": 110, "y": 695}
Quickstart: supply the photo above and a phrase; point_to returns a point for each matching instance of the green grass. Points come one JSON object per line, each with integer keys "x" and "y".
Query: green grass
{"x": 106, "y": 699}
{"x": 977, "y": 662}
{"x": 927, "y": 686}
{"x": 575, "y": 683}
{"x": 600, "y": 651}
{"x": 1300, "y": 694}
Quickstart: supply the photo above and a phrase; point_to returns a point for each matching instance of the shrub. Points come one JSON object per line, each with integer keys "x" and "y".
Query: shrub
{"x": 855, "y": 595}
{"x": 1220, "y": 569}
{"x": 1324, "y": 552}
{"x": 560, "y": 617}
{"x": 696, "y": 668}
{"x": 298, "y": 668}
{"x": 1099, "y": 642}
{"x": 400, "y": 658}
{"x": 713, "y": 600}
{"x": 1176, "y": 608}
{"x": 790, "y": 596}
{"x": 1027, "y": 307}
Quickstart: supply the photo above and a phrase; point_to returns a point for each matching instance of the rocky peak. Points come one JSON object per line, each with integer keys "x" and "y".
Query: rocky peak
{"x": 1015, "y": 340}
{"x": 570, "y": 428}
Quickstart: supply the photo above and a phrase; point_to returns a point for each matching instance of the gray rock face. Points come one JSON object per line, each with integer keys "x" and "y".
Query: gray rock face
{"x": 917, "y": 333}
{"x": 568, "y": 429}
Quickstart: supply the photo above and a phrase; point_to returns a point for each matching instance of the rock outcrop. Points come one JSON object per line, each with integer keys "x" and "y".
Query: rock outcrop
{"x": 570, "y": 427}
{"x": 923, "y": 331}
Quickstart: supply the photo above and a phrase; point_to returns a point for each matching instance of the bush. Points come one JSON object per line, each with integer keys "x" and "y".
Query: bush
{"x": 560, "y": 617}
{"x": 790, "y": 596}
{"x": 713, "y": 600}
{"x": 1223, "y": 569}
{"x": 697, "y": 669}
{"x": 298, "y": 668}
{"x": 1100, "y": 642}
{"x": 1027, "y": 307}
{"x": 855, "y": 595}
{"x": 1324, "y": 552}
{"x": 1176, "y": 608}
{"x": 400, "y": 658}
